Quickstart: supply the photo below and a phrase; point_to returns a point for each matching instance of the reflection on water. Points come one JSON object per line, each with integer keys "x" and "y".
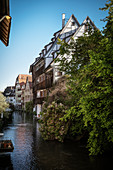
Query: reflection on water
{"x": 31, "y": 152}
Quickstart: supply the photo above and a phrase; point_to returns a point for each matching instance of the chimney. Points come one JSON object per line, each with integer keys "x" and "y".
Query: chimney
{"x": 63, "y": 20}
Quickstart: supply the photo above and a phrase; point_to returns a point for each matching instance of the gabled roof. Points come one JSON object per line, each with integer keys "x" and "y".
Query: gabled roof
{"x": 84, "y": 23}
{"x": 68, "y": 28}
{"x": 92, "y": 23}
{"x": 22, "y": 78}
{"x": 75, "y": 31}
{"x": 5, "y": 21}
{"x": 76, "y": 21}
{"x": 53, "y": 40}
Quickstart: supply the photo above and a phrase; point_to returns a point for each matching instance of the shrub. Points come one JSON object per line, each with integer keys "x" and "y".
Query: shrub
{"x": 52, "y": 127}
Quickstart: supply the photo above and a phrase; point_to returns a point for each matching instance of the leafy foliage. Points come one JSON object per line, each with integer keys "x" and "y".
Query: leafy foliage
{"x": 52, "y": 127}
{"x": 89, "y": 62}
{"x": 97, "y": 102}
{"x": 3, "y": 104}
{"x": 58, "y": 92}
{"x": 108, "y": 30}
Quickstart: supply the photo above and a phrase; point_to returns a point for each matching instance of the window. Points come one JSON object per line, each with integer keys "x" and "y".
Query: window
{"x": 45, "y": 93}
{"x": 41, "y": 93}
{"x": 40, "y": 79}
{"x": 73, "y": 23}
{"x": 38, "y": 93}
{"x": 59, "y": 73}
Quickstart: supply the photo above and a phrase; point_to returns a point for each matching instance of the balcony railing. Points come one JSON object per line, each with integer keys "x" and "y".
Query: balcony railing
{"x": 41, "y": 85}
{"x": 44, "y": 85}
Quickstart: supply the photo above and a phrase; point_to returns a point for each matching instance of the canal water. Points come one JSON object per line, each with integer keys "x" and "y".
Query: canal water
{"x": 31, "y": 152}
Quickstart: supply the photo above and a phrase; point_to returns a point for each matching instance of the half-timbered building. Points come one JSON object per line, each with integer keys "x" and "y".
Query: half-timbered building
{"x": 45, "y": 72}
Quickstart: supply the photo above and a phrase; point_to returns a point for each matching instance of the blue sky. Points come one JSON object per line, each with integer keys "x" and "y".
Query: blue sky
{"x": 33, "y": 25}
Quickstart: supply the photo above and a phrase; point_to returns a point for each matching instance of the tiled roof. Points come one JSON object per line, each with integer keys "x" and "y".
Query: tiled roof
{"x": 23, "y": 78}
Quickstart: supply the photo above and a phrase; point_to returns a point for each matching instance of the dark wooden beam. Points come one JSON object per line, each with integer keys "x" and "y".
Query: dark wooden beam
{"x": 5, "y": 21}
{"x": 5, "y": 29}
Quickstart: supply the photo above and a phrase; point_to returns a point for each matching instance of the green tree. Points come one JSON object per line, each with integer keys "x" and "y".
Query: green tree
{"x": 73, "y": 62}
{"x": 89, "y": 62}
{"x": 3, "y": 104}
{"x": 96, "y": 103}
{"x": 108, "y": 30}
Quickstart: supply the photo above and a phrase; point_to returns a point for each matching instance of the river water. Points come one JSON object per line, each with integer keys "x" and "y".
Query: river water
{"x": 31, "y": 152}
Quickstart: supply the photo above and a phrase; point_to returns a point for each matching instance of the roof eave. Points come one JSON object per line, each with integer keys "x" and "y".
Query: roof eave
{"x": 5, "y": 24}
